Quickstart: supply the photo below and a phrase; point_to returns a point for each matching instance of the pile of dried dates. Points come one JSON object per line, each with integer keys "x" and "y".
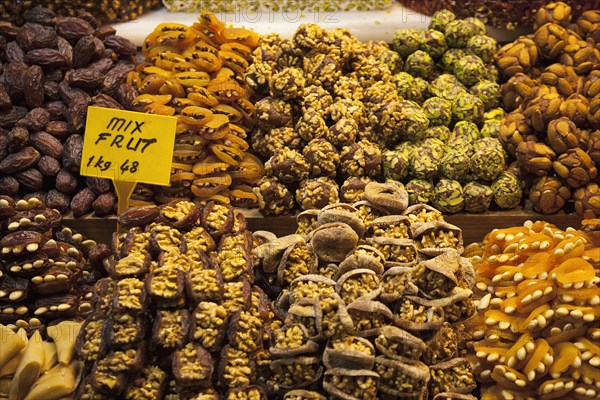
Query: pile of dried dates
{"x": 537, "y": 332}
{"x": 178, "y": 317}
{"x": 553, "y": 95}
{"x": 375, "y": 301}
{"x": 51, "y": 69}
{"x": 197, "y": 74}
{"x": 47, "y": 271}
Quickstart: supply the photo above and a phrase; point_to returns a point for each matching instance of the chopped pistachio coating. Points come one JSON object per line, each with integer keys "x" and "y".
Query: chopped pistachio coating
{"x": 458, "y": 32}
{"x": 462, "y": 143}
{"x": 478, "y": 197}
{"x": 440, "y": 132}
{"x": 395, "y": 164}
{"x": 434, "y": 43}
{"x": 420, "y": 64}
{"x": 490, "y": 128}
{"x": 407, "y": 41}
{"x": 440, "y": 19}
{"x": 447, "y": 87}
{"x": 467, "y": 107}
{"x": 450, "y": 57}
{"x": 322, "y": 158}
{"x": 426, "y": 159}
{"x": 467, "y": 130}
{"x": 448, "y": 196}
{"x": 455, "y": 164}
{"x": 488, "y": 161}
{"x": 420, "y": 191}
{"x": 482, "y": 46}
{"x": 488, "y": 92}
{"x": 438, "y": 111}
{"x": 413, "y": 121}
{"x": 507, "y": 190}
{"x": 469, "y": 69}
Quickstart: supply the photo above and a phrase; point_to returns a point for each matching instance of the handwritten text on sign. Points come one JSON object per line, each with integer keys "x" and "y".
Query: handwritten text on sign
{"x": 128, "y": 146}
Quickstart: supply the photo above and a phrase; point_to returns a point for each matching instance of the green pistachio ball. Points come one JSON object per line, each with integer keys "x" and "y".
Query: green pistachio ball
{"x": 458, "y": 32}
{"x": 467, "y": 107}
{"x": 488, "y": 161}
{"x": 507, "y": 190}
{"x": 455, "y": 164}
{"x": 440, "y": 132}
{"x": 450, "y": 57}
{"x": 407, "y": 41}
{"x": 483, "y": 47}
{"x": 434, "y": 43}
{"x": 488, "y": 92}
{"x": 465, "y": 129}
{"x": 420, "y": 191}
{"x": 478, "y": 197}
{"x": 469, "y": 70}
{"x": 412, "y": 121}
{"x": 440, "y": 19}
{"x": 490, "y": 128}
{"x": 448, "y": 196}
{"x": 420, "y": 64}
{"x": 438, "y": 110}
{"x": 395, "y": 164}
{"x": 426, "y": 159}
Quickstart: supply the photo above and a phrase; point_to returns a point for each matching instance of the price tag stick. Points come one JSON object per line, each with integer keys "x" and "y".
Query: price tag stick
{"x": 124, "y": 190}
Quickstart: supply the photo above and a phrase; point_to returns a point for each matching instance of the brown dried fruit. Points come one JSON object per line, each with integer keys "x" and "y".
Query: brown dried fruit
{"x": 48, "y": 166}
{"x": 17, "y": 138}
{"x": 58, "y": 200}
{"x": 30, "y": 179}
{"x": 81, "y": 203}
{"x": 73, "y": 29}
{"x": 23, "y": 159}
{"x": 9, "y": 186}
{"x": 34, "y": 87}
{"x": 47, "y": 144}
{"x": 71, "y": 157}
{"x": 65, "y": 181}
{"x": 104, "y": 204}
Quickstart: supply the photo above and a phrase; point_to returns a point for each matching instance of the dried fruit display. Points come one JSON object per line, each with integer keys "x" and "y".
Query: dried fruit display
{"x": 506, "y": 13}
{"x": 375, "y": 301}
{"x": 105, "y": 13}
{"x": 47, "y": 271}
{"x": 329, "y": 106}
{"x": 197, "y": 74}
{"x": 552, "y": 93}
{"x": 536, "y": 331}
{"x": 290, "y": 6}
{"x": 53, "y": 68}
{"x": 34, "y": 368}
{"x": 178, "y": 316}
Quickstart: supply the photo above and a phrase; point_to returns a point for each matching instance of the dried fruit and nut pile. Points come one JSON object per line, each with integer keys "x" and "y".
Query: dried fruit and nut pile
{"x": 500, "y": 13}
{"x": 197, "y": 73}
{"x": 51, "y": 69}
{"x": 330, "y": 105}
{"x": 47, "y": 271}
{"x": 373, "y": 297}
{"x": 537, "y": 334}
{"x": 553, "y": 90}
{"x": 285, "y": 6}
{"x": 178, "y": 317}
{"x": 34, "y": 369}
{"x": 105, "y": 11}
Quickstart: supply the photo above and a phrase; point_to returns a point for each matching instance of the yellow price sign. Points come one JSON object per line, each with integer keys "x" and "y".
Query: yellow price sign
{"x": 128, "y": 147}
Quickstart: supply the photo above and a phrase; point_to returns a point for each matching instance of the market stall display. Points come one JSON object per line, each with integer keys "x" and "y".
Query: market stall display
{"x": 287, "y": 6}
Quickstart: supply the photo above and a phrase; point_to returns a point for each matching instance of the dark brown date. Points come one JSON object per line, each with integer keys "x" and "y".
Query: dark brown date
{"x": 31, "y": 179}
{"x": 4, "y": 140}
{"x": 9, "y": 186}
{"x": 98, "y": 185}
{"x": 66, "y": 50}
{"x": 48, "y": 166}
{"x": 81, "y": 203}
{"x": 73, "y": 29}
{"x": 56, "y": 109}
{"x": 14, "y": 78}
{"x": 103, "y": 65}
{"x": 5, "y": 101}
{"x": 104, "y": 100}
{"x": 10, "y": 117}
{"x": 125, "y": 94}
{"x": 59, "y": 129}
{"x": 14, "y": 52}
{"x": 23, "y": 159}
{"x": 35, "y": 36}
{"x": 71, "y": 157}
{"x": 34, "y": 87}
{"x": 139, "y": 216}
{"x": 17, "y": 138}
{"x": 77, "y": 113}
{"x": 47, "y": 58}
{"x": 40, "y": 15}
{"x": 115, "y": 77}
{"x": 58, "y": 200}
{"x": 65, "y": 181}
{"x": 120, "y": 45}
{"x": 85, "y": 78}
{"x": 104, "y": 31}
{"x": 104, "y": 204}
{"x": 47, "y": 144}
{"x": 36, "y": 119}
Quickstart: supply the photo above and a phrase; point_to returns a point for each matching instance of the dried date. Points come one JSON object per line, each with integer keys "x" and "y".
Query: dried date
{"x": 103, "y": 65}
{"x": 14, "y": 52}
{"x": 84, "y": 50}
{"x": 104, "y": 31}
{"x": 85, "y": 78}
{"x": 126, "y": 94}
{"x": 66, "y": 50}
{"x": 73, "y": 29}
{"x": 104, "y": 204}
{"x": 5, "y": 101}
{"x": 14, "y": 79}
{"x": 58, "y": 200}
{"x": 23, "y": 159}
{"x": 115, "y": 77}
{"x": 98, "y": 185}
{"x": 10, "y": 117}
{"x": 65, "y": 181}
{"x": 47, "y": 144}
{"x": 71, "y": 157}
{"x": 3, "y": 143}
{"x": 81, "y": 203}
{"x": 35, "y": 36}
{"x": 9, "y": 186}
{"x": 47, "y": 58}
{"x": 120, "y": 45}
{"x": 51, "y": 91}
{"x": 58, "y": 129}
{"x": 34, "y": 87}
{"x": 40, "y": 15}
{"x": 48, "y": 166}
{"x": 17, "y": 138}
{"x": 36, "y": 119}
{"x": 31, "y": 179}
{"x": 76, "y": 115}
{"x": 104, "y": 100}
